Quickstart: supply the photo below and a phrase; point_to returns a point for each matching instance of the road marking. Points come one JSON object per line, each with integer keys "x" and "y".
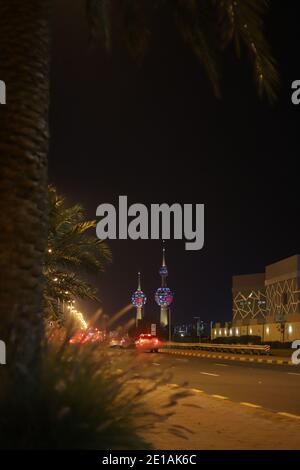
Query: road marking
{"x": 181, "y": 360}
{"x": 208, "y": 373}
{"x": 155, "y": 363}
{"x": 221, "y": 397}
{"x": 251, "y": 405}
{"x": 197, "y": 390}
{"x": 221, "y": 365}
{"x": 293, "y": 373}
{"x": 288, "y": 415}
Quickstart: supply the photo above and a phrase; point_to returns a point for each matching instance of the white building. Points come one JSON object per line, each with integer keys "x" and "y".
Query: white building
{"x": 266, "y": 304}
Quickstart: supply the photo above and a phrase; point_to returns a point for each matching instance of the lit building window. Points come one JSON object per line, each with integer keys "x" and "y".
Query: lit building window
{"x": 230, "y": 331}
{"x": 215, "y": 333}
{"x": 267, "y": 330}
{"x": 250, "y": 331}
{"x": 220, "y": 332}
{"x": 237, "y": 331}
{"x": 225, "y": 332}
{"x": 290, "y": 329}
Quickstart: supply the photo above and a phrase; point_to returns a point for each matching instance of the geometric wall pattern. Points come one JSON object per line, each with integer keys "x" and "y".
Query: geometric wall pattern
{"x": 283, "y": 298}
{"x": 249, "y": 306}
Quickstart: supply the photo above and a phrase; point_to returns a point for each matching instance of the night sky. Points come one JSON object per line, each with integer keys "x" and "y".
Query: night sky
{"x": 155, "y": 132}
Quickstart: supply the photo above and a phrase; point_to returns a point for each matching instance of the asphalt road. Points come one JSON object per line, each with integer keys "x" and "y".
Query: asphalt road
{"x": 273, "y": 387}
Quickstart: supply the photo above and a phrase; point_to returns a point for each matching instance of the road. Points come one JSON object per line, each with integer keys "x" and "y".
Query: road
{"x": 272, "y": 387}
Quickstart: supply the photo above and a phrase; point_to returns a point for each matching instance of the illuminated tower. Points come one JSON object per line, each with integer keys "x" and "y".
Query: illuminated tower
{"x": 164, "y": 295}
{"x": 138, "y": 300}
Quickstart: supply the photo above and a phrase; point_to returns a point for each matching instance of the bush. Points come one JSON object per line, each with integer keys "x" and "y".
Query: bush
{"x": 246, "y": 339}
{"x": 278, "y": 344}
{"x": 76, "y": 400}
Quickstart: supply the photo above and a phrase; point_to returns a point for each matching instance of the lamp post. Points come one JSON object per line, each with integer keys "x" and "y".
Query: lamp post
{"x": 198, "y": 328}
{"x": 170, "y": 327}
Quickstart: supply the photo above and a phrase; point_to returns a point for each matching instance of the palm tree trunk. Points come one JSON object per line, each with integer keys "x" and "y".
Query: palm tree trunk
{"x": 24, "y": 66}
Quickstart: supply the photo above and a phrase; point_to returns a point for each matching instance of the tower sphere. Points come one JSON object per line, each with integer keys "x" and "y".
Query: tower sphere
{"x": 163, "y": 271}
{"x": 164, "y": 296}
{"x": 138, "y": 298}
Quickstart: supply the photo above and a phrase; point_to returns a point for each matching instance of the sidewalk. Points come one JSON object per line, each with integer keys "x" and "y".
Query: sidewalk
{"x": 230, "y": 356}
{"x": 201, "y": 422}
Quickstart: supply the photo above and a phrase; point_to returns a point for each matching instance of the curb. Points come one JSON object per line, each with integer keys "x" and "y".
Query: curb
{"x": 260, "y": 360}
{"x": 253, "y": 406}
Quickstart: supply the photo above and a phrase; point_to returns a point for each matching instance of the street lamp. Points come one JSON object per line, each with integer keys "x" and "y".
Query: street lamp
{"x": 170, "y": 327}
{"x": 198, "y": 328}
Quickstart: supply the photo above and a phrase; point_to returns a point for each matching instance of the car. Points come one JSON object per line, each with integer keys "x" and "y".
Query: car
{"x": 117, "y": 343}
{"x": 147, "y": 342}
{"x": 90, "y": 335}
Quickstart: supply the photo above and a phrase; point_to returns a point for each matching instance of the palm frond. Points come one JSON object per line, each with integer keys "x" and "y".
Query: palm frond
{"x": 135, "y": 20}
{"x": 197, "y": 27}
{"x": 73, "y": 251}
{"x": 242, "y": 21}
{"x": 99, "y": 20}
{"x": 207, "y": 26}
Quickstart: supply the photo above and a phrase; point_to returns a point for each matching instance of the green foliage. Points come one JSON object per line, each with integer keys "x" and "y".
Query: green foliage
{"x": 72, "y": 253}
{"x": 207, "y": 26}
{"x": 244, "y": 339}
{"x": 75, "y": 401}
{"x": 242, "y": 23}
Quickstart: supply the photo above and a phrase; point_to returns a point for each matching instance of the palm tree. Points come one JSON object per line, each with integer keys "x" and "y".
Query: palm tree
{"x": 72, "y": 252}
{"x": 207, "y": 26}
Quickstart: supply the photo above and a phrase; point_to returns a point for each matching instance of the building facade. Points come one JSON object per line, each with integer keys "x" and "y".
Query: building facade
{"x": 266, "y": 304}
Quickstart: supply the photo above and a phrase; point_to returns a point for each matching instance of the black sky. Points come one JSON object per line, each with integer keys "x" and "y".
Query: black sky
{"x": 156, "y": 133}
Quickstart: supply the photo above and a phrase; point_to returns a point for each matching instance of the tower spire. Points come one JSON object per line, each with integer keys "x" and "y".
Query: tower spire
{"x": 163, "y": 271}
{"x": 164, "y": 295}
{"x": 138, "y": 300}
{"x": 164, "y": 254}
